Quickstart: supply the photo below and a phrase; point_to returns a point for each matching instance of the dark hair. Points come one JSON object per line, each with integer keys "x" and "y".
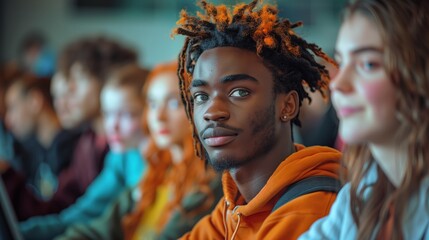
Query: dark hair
{"x": 33, "y": 39}
{"x": 290, "y": 58}
{"x": 30, "y": 83}
{"x": 97, "y": 55}
{"x": 131, "y": 75}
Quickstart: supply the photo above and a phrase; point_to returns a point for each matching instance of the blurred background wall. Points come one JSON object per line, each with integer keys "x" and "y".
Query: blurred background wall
{"x": 144, "y": 25}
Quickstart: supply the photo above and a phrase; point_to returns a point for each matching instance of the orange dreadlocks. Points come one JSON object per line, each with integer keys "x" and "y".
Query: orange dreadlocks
{"x": 287, "y": 55}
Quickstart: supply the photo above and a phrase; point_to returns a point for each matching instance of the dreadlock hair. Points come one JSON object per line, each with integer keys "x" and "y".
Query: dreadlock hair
{"x": 290, "y": 58}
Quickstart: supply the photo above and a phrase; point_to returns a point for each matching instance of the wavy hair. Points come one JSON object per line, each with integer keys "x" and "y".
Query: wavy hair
{"x": 403, "y": 28}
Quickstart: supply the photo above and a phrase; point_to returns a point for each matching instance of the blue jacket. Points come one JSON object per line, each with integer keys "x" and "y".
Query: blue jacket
{"x": 339, "y": 223}
{"x": 120, "y": 172}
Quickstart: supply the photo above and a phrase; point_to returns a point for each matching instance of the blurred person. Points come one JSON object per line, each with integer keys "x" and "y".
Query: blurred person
{"x": 381, "y": 94}
{"x": 84, "y": 65}
{"x": 42, "y": 148}
{"x": 122, "y": 106}
{"x": 8, "y": 72}
{"x": 36, "y": 57}
{"x": 244, "y": 74}
{"x": 177, "y": 190}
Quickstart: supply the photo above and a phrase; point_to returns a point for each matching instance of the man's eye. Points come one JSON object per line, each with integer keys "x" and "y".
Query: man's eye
{"x": 239, "y": 93}
{"x": 200, "y": 98}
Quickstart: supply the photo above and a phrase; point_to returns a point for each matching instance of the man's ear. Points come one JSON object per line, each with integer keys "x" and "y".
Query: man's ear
{"x": 289, "y": 106}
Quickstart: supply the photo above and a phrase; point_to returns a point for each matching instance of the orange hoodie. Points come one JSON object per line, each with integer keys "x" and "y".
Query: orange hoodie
{"x": 234, "y": 219}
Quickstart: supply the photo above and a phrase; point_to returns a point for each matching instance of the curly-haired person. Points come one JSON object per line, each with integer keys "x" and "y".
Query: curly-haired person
{"x": 243, "y": 78}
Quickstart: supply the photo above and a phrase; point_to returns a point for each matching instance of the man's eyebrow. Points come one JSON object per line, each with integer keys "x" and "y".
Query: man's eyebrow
{"x": 198, "y": 83}
{"x": 230, "y": 78}
{"x": 237, "y": 77}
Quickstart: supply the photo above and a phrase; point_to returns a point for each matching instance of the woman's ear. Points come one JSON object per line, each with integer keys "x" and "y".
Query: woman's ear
{"x": 289, "y": 106}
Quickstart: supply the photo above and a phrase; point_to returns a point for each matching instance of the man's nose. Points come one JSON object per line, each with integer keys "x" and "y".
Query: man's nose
{"x": 217, "y": 110}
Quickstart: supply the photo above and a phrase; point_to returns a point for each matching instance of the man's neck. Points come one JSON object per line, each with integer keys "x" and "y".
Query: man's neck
{"x": 47, "y": 128}
{"x": 253, "y": 176}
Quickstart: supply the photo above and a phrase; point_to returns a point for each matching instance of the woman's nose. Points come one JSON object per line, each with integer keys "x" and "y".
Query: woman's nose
{"x": 342, "y": 81}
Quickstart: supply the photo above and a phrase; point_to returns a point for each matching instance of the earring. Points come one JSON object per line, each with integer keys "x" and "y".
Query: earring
{"x": 284, "y": 118}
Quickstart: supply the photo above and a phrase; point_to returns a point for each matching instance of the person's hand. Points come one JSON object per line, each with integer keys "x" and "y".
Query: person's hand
{"x": 4, "y": 165}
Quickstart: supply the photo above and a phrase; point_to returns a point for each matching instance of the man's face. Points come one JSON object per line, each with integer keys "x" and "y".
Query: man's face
{"x": 60, "y": 94}
{"x": 78, "y": 102}
{"x": 235, "y": 110}
{"x": 20, "y": 112}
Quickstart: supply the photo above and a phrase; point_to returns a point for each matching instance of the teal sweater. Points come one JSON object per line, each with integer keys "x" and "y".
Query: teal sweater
{"x": 121, "y": 171}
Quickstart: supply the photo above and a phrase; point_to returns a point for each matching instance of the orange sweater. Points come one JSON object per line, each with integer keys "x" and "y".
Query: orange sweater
{"x": 234, "y": 219}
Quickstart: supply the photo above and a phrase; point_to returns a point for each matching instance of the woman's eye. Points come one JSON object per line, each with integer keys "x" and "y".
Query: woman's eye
{"x": 239, "y": 93}
{"x": 152, "y": 105}
{"x": 173, "y": 104}
{"x": 369, "y": 65}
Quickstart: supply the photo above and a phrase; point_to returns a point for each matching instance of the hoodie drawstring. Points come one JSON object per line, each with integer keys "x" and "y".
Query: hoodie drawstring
{"x": 236, "y": 228}
{"x": 225, "y": 225}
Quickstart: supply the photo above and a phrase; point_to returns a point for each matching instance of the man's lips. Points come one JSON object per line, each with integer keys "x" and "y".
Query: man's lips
{"x": 218, "y": 136}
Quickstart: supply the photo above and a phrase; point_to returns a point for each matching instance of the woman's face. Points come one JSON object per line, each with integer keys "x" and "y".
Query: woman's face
{"x": 362, "y": 92}
{"x": 122, "y": 112}
{"x": 166, "y": 115}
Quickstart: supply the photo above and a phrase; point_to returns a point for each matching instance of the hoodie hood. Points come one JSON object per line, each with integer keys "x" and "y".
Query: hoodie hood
{"x": 305, "y": 162}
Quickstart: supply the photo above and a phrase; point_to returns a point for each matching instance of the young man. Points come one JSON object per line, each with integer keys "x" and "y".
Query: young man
{"x": 42, "y": 149}
{"x": 243, "y": 77}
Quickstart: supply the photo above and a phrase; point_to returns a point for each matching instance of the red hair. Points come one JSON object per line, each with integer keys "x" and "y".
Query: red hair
{"x": 187, "y": 176}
